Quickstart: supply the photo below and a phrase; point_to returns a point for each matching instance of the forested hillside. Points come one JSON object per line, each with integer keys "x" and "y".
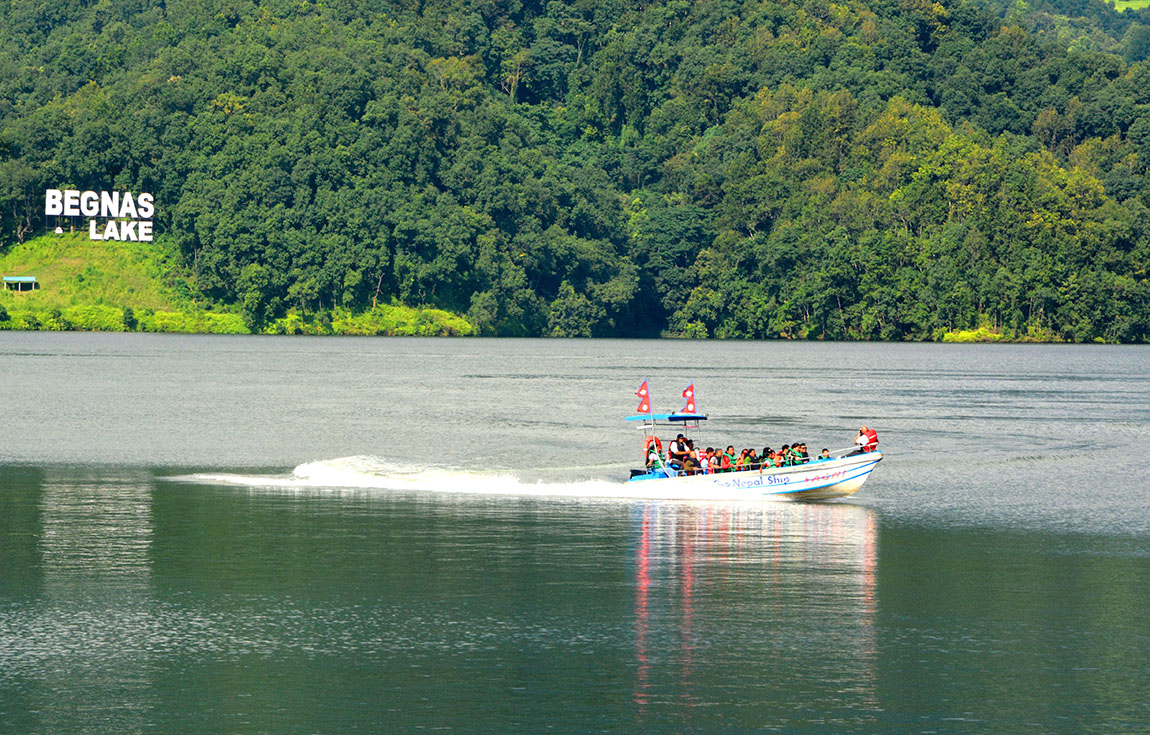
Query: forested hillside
{"x": 863, "y": 169}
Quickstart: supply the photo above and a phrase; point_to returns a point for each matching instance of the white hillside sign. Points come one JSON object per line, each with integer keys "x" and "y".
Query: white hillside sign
{"x": 126, "y": 216}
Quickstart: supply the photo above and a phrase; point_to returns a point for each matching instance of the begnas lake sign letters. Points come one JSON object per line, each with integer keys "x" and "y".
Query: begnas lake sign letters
{"x": 126, "y": 216}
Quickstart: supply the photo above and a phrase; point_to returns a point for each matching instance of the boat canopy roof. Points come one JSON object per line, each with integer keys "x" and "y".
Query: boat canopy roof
{"x": 669, "y": 417}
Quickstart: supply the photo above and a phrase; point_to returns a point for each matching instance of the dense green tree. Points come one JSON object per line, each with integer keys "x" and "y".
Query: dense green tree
{"x": 734, "y": 168}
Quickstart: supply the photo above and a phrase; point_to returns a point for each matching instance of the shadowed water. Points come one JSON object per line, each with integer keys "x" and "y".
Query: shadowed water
{"x": 292, "y": 535}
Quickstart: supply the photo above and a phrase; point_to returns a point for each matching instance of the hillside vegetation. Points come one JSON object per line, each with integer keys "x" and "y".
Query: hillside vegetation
{"x": 104, "y": 286}
{"x": 136, "y": 286}
{"x": 863, "y": 169}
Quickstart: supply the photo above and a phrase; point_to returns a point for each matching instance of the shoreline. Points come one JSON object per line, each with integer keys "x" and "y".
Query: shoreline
{"x": 369, "y": 325}
{"x": 382, "y": 321}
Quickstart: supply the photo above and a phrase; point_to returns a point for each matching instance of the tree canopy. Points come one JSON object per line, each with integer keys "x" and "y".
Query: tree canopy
{"x": 861, "y": 169}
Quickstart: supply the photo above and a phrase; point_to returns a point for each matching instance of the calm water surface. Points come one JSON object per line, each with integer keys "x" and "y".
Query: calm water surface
{"x": 292, "y": 535}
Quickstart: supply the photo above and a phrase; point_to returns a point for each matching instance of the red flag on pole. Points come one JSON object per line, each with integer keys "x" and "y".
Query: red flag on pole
{"x": 644, "y": 398}
{"x": 689, "y": 394}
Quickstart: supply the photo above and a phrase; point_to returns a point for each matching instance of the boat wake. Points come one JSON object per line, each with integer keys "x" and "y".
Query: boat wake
{"x": 373, "y": 473}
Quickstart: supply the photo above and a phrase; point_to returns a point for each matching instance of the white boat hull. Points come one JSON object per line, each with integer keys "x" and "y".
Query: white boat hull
{"x": 835, "y": 478}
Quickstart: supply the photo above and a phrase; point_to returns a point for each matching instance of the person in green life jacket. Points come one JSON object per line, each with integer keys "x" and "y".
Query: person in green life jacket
{"x": 728, "y": 459}
{"x": 754, "y": 462}
{"x": 652, "y": 457}
{"x": 785, "y": 455}
{"x": 797, "y": 453}
{"x": 744, "y": 462}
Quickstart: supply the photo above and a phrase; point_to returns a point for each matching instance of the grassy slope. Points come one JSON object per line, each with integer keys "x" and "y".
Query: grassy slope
{"x": 88, "y": 285}
{"x": 74, "y": 271}
{"x": 1131, "y": 4}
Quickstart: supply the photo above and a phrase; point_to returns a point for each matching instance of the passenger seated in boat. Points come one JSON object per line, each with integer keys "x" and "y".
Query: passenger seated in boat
{"x": 753, "y": 461}
{"x": 652, "y": 457}
{"x": 705, "y": 458}
{"x": 741, "y": 462}
{"x": 691, "y": 460}
{"x": 727, "y": 460}
{"x": 803, "y": 456}
{"x": 785, "y": 456}
{"x": 652, "y": 445}
{"x": 824, "y": 455}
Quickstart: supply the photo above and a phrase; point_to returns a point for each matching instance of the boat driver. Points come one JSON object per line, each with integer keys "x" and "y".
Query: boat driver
{"x": 677, "y": 452}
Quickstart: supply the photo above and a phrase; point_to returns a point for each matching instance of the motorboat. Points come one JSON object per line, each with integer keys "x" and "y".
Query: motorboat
{"x": 838, "y": 476}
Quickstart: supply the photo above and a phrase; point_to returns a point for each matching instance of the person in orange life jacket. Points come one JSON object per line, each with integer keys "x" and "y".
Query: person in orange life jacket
{"x": 867, "y": 439}
{"x": 652, "y": 447}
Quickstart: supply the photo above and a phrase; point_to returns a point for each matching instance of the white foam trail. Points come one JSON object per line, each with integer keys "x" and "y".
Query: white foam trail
{"x": 367, "y": 473}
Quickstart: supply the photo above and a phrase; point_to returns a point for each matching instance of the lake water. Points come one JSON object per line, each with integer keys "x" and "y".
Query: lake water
{"x": 295, "y": 535}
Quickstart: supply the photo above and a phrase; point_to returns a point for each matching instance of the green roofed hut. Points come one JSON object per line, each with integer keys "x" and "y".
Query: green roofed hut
{"x": 21, "y": 283}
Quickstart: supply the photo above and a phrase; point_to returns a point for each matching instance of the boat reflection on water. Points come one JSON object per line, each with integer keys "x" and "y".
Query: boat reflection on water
{"x": 770, "y": 606}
